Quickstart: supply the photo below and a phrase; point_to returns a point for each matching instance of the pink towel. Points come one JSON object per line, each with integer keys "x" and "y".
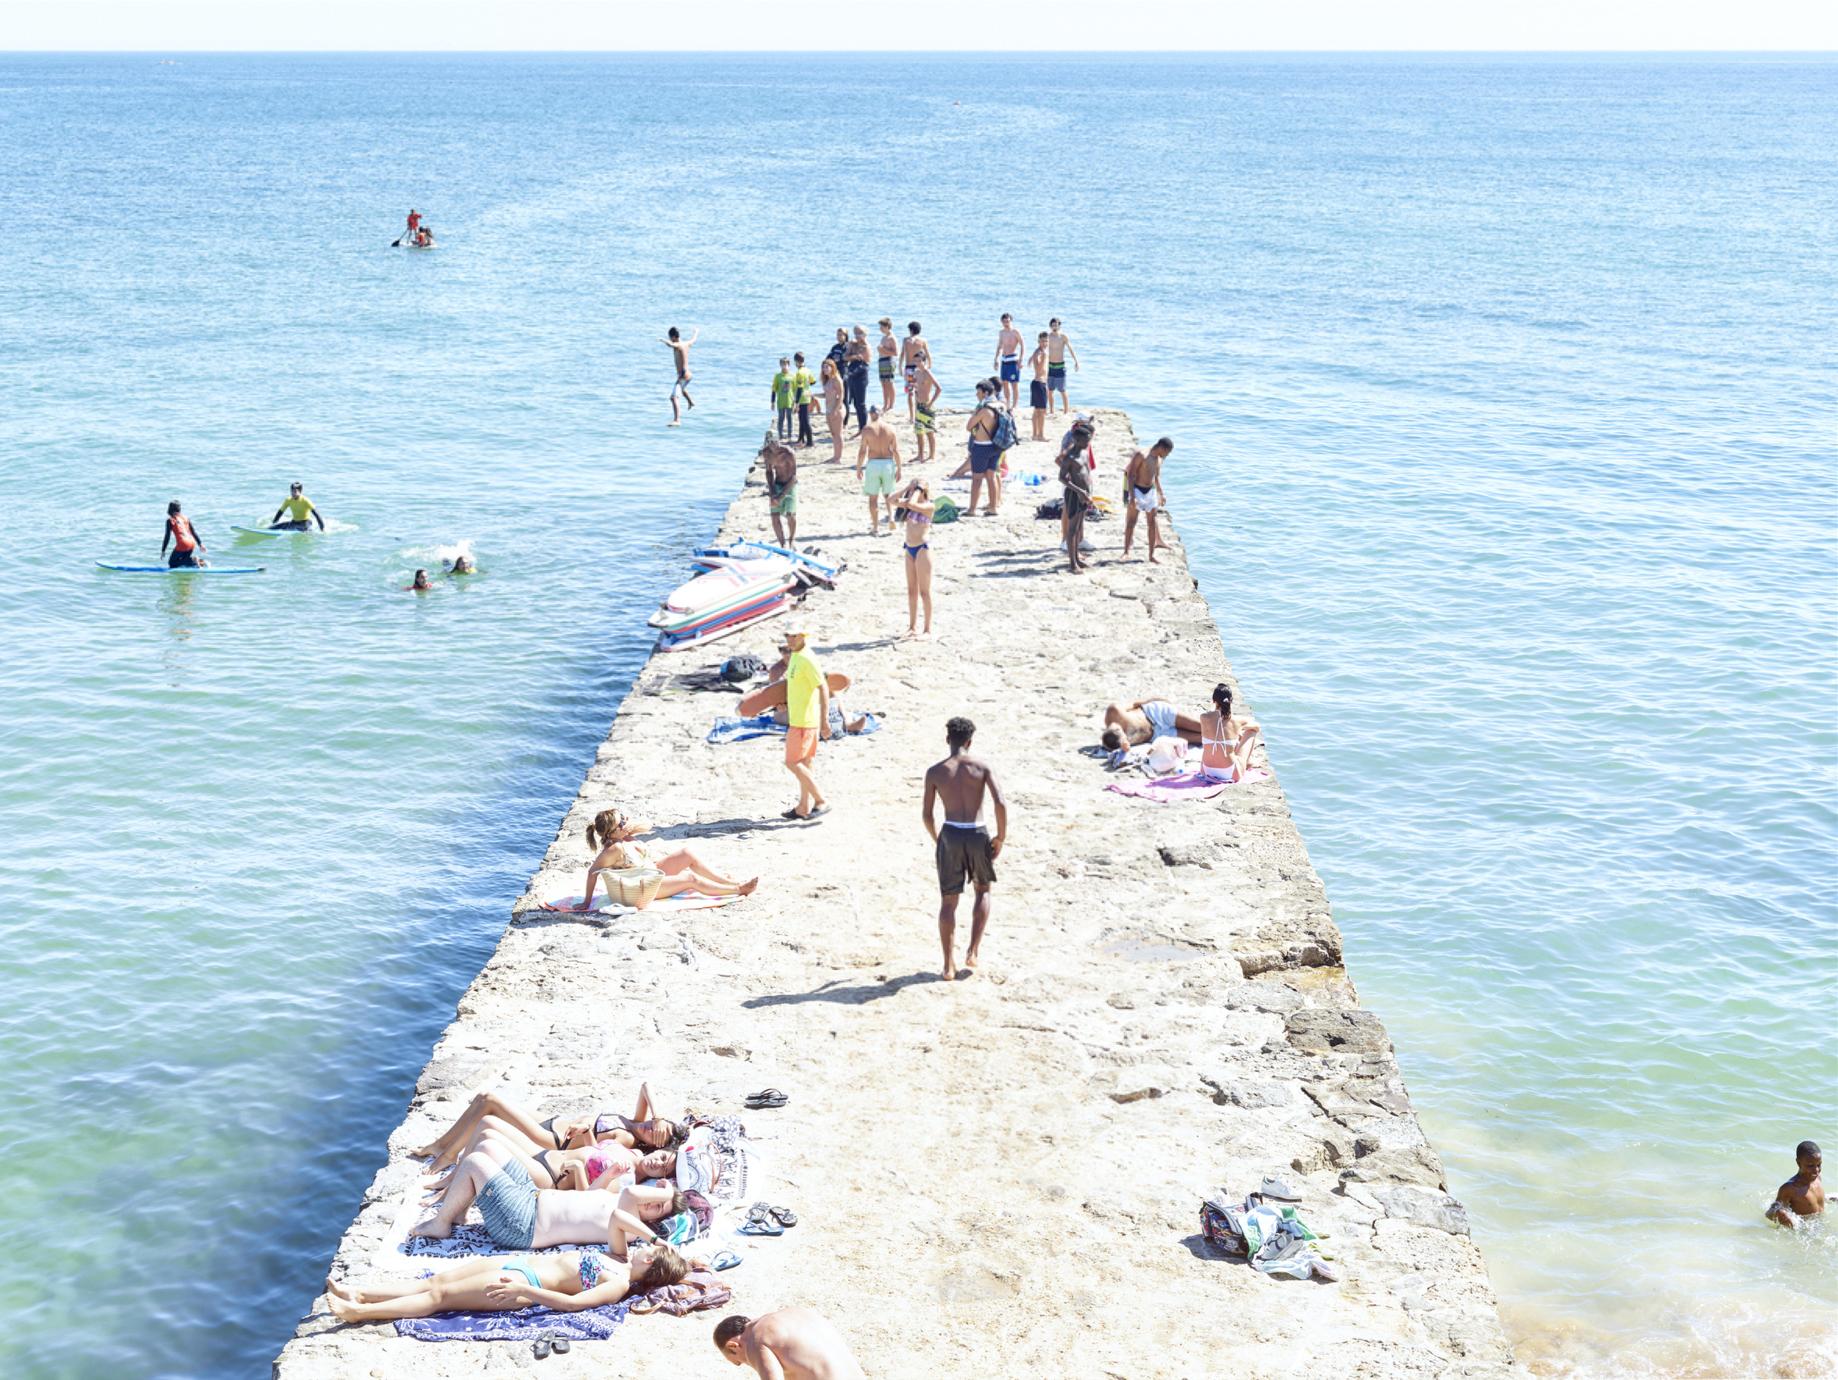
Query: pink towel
{"x": 1170, "y": 790}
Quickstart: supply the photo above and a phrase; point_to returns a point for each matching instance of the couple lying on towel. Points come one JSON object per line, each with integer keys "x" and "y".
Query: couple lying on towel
{"x": 614, "y": 836}
{"x": 1226, "y": 739}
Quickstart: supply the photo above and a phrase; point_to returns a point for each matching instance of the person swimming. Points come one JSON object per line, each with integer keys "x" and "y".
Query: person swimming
{"x": 421, "y": 583}
{"x": 1803, "y": 1195}
{"x": 461, "y": 565}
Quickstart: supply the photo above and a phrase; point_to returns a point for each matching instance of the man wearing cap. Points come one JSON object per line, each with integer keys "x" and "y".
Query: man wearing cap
{"x": 807, "y": 710}
{"x": 299, "y": 511}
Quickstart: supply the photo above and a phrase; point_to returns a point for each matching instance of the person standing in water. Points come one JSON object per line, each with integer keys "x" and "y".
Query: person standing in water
{"x": 965, "y": 851}
{"x": 300, "y": 512}
{"x": 187, "y": 545}
{"x": 1803, "y": 1195}
{"x": 1142, "y": 493}
{"x": 1008, "y": 361}
{"x": 421, "y": 584}
{"x": 679, "y": 355}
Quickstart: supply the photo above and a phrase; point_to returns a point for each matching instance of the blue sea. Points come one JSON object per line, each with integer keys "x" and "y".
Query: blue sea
{"x": 1504, "y": 406}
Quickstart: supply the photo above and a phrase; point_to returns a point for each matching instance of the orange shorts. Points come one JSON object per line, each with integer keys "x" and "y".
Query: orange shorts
{"x": 800, "y": 745}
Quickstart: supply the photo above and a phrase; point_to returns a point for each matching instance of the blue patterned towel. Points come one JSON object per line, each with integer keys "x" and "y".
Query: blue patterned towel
{"x": 525, "y": 1325}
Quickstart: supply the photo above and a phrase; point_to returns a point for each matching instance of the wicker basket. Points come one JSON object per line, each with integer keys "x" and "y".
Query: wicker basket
{"x": 634, "y": 886}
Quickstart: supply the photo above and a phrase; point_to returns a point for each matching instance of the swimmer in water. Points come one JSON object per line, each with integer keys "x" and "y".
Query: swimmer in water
{"x": 1803, "y": 1195}
{"x": 421, "y": 584}
{"x": 461, "y": 565}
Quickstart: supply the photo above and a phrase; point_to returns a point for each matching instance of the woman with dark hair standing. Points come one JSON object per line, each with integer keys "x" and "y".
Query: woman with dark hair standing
{"x": 1226, "y": 739}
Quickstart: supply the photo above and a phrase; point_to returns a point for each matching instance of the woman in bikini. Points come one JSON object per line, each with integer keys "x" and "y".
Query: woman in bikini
{"x": 602, "y": 1164}
{"x": 615, "y": 837}
{"x": 914, "y": 503}
{"x": 835, "y": 408}
{"x": 644, "y": 1129}
{"x": 567, "y": 1283}
{"x": 520, "y": 1216}
{"x": 1226, "y": 740}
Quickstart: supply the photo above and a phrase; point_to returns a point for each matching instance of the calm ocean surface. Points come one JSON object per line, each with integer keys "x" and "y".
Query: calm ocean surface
{"x": 1504, "y": 400}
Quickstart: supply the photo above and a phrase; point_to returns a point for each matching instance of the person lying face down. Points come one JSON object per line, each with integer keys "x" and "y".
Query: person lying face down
{"x": 566, "y": 1283}
{"x": 614, "y": 836}
{"x": 643, "y": 1130}
{"x": 791, "y": 1344}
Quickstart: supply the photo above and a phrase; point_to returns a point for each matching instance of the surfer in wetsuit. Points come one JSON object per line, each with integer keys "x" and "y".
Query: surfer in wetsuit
{"x": 301, "y": 513}
{"x": 187, "y": 545}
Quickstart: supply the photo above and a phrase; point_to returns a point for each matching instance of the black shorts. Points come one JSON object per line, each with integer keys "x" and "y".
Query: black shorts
{"x": 964, "y": 854}
{"x": 1037, "y": 393}
{"x": 182, "y": 560}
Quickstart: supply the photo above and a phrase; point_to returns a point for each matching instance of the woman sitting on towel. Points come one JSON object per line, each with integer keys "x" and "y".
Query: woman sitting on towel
{"x": 567, "y": 1283}
{"x": 1226, "y": 739}
{"x": 601, "y": 1165}
{"x": 520, "y": 1216}
{"x": 614, "y": 836}
{"x": 643, "y": 1130}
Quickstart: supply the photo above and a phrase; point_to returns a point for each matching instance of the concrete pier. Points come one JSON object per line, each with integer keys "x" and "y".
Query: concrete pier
{"x": 999, "y": 1176}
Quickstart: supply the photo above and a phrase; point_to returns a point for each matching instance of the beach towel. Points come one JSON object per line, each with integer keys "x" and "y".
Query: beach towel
{"x": 729, "y": 729}
{"x": 1171, "y": 790}
{"x": 669, "y": 905}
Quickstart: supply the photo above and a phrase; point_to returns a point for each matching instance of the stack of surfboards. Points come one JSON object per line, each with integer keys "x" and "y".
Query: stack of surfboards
{"x": 743, "y": 583}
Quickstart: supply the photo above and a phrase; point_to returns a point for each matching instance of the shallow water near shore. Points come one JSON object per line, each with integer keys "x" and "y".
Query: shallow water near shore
{"x": 1503, "y": 400}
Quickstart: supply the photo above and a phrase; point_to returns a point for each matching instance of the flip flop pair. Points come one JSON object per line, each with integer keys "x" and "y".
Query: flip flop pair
{"x": 561, "y": 1346}
{"x": 771, "y": 1097}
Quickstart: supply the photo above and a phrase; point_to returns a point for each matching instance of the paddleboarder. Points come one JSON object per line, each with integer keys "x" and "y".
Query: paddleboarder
{"x": 414, "y": 224}
{"x": 187, "y": 545}
{"x": 301, "y": 514}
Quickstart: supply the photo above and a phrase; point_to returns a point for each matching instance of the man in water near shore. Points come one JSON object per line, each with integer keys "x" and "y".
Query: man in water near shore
{"x": 782, "y": 490}
{"x": 679, "y": 355}
{"x": 880, "y": 450}
{"x": 1142, "y": 493}
{"x": 963, "y": 847}
{"x": 791, "y": 1344}
{"x": 420, "y": 584}
{"x": 1008, "y": 361}
{"x": 1037, "y": 388}
{"x": 1803, "y": 1195}
{"x": 807, "y": 708}
{"x": 1059, "y": 345}
{"x": 301, "y": 513}
{"x": 187, "y": 545}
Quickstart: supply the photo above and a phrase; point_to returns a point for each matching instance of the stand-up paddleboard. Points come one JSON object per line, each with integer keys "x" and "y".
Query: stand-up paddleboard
{"x": 723, "y": 586}
{"x": 182, "y": 569}
{"x": 827, "y": 571}
{"x": 275, "y": 531}
{"x": 684, "y": 644}
{"x": 689, "y": 627}
{"x": 721, "y": 603}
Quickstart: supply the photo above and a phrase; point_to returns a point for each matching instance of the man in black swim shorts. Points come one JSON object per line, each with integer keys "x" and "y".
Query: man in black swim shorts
{"x": 965, "y": 851}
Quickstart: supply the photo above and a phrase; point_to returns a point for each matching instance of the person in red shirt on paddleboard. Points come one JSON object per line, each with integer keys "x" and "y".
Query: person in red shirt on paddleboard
{"x": 187, "y": 545}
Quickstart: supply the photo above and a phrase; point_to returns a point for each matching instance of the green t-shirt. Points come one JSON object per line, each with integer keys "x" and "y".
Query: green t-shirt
{"x": 803, "y": 382}
{"x": 783, "y": 386}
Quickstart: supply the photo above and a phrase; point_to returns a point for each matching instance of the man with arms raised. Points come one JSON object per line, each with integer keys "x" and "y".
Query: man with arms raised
{"x": 963, "y": 846}
{"x": 791, "y": 1344}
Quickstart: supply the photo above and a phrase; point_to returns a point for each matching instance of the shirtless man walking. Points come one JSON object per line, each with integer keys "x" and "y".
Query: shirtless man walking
{"x": 879, "y": 452}
{"x": 1037, "y": 388}
{"x": 791, "y": 1344}
{"x": 1803, "y": 1195}
{"x": 964, "y": 849}
{"x": 1142, "y": 493}
{"x": 1059, "y": 345}
{"x": 1008, "y": 360}
{"x": 679, "y": 354}
{"x": 913, "y": 350}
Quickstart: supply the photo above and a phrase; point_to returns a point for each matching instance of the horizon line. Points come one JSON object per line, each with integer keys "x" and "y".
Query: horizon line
{"x": 965, "y": 53}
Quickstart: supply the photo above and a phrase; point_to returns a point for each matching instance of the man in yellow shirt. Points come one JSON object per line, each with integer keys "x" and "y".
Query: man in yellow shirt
{"x": 300, "y": 512}
{"x": 807, "y": 709}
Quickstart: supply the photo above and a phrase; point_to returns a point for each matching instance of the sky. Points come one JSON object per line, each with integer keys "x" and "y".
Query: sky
{"x": 924, "y": 25}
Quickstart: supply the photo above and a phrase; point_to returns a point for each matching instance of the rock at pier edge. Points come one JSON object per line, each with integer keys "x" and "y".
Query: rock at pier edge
{"x": 1000, "y": 1176}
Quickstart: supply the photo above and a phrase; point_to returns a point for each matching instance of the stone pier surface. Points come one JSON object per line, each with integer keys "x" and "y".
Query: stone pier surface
{"x": 999, "y": 1176}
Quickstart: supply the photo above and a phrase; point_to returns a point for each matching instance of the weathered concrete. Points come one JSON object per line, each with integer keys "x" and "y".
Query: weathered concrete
{"x": 1001, "y": 1176}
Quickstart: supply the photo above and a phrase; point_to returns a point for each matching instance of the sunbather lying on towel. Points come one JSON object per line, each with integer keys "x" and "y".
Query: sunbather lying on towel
{"x": 644, "y": 1129}
{"x": 520, "y": 1216}
{"x": 1143, "y": 721}
{"x": 615, "y": 837}
{"x": 568, "y": 1283}
{"x": 604, "y": 1165}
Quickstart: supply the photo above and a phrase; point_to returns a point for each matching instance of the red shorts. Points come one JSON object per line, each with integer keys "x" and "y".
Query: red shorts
{"x": 800, "y": 745}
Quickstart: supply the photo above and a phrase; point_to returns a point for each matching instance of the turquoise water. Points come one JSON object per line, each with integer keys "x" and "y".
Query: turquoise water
{"x": 1504, "y": 406}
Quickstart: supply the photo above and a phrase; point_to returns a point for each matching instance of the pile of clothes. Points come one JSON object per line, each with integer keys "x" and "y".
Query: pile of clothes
{"x": 1266, "y": 1230}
